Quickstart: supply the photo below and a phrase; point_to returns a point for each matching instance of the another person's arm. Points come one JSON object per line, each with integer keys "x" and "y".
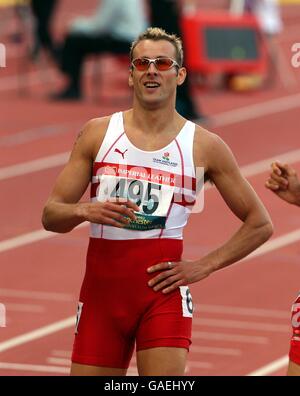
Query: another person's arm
{"x": 63, "y": 211}
{"x": 284, "y": 182}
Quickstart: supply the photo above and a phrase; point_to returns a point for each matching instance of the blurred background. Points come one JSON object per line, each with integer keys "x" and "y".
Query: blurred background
{"x": 63, "y": 62}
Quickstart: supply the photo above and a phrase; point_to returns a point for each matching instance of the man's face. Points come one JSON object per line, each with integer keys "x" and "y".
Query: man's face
{"x": 153, "y": 87}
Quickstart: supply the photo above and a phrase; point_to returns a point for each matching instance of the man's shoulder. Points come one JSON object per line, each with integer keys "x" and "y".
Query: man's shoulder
{"x": 92, "y": 134}
{"x": 209, "y": 148}
{"x": 206, "y": 139}
{"x": 96, "y": 126}
{"x": 93, "y": 131}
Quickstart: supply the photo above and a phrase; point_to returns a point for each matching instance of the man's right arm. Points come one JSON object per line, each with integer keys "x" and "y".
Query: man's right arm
{"x": 63, "y": 211}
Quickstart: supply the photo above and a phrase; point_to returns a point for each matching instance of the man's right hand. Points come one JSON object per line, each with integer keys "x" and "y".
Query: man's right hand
{"x": 284, "y": 182}
{"x": 117, "y": 213}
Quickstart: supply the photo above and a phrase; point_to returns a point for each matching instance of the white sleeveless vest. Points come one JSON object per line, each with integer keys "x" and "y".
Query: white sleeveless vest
{"x": 162, "y": 183}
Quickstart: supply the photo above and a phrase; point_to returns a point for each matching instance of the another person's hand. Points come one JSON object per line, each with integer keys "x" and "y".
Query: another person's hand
{"x": 284, "y": 182}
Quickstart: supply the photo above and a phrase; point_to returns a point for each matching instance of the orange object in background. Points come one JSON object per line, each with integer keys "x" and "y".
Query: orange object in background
{"x": 223, "y": 43}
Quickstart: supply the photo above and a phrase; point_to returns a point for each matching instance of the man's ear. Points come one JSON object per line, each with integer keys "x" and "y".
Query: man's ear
{"x": 130, "y": 78}
{"x": 181, "y": 76}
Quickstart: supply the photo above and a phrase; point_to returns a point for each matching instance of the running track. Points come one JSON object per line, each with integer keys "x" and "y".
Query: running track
{"x": 241, "y": 324}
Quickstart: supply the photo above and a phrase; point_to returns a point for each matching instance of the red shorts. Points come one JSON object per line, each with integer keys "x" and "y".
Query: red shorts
{"x": 295, "y": 341}
{"x": 118, "y": 309}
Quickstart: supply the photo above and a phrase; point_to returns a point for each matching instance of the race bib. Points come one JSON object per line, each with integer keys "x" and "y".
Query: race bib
{"x": 152, "y": 198}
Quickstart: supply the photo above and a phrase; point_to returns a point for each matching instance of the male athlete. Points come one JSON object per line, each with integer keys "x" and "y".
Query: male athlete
{"x": 142, "y": 167}
{"x": 284, "y": 182}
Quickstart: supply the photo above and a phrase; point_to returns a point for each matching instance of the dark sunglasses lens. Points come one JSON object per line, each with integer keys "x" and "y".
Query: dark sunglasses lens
{"x": 141, "y": 64}
{"x": 163, "y": 63}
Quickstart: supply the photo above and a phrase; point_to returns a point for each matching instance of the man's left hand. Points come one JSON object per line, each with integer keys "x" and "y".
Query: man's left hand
{"x": 176, "y": 273}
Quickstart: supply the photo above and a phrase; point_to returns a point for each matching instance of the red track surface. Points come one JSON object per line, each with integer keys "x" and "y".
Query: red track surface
{"x": 242, "y": 313}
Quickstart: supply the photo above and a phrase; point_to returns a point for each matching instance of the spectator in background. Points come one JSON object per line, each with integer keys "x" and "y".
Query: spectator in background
{"x": 166, "y": 14}
{"x": 112, "y": 28}
{"x": 43, "y": 13}
{"x": 268, "y": 15}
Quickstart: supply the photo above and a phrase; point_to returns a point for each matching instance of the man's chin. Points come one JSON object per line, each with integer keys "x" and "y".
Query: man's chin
{"x": 153, "y": 103}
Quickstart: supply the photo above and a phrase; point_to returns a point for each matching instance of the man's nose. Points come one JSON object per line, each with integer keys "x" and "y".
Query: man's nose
{"x": 152, "y": 68}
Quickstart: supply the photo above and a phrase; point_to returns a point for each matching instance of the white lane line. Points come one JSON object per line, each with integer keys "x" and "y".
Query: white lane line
{"x": 61, "y": 353}
{"x": 237, "y": 324}
{"x": 28, "y": 238}
{"x": 56, "y": 160}
{"x": 264, "y": 165}
{"x": 34, "y": 236}
{"x": 201, "y": 365}
{"x": 132, "y": 371}
{"x": 36, "y": 334}
{"x": 36, "y": 165}
{"x": 256, "y": 110}
{"x": 24, "y": 308}
{"x": 216, "y": 351}
{"x": 41, "y": 132}
{"x": 271, "y": 246}
{"x": 25, "y": 239}
{"x": 30, "y": 79}
{"x": 59, "y": 361}
{"x": 274, "y": 244}
{"x": 236, "y": 338}
{"x": 46, "y": 75}
{"x": 34, "y": 367}
{"x": 271, "y": 367}
{"x": 230, "y": 310}
{"x": 41, "y": 234}
{"x": 37, "y": 295}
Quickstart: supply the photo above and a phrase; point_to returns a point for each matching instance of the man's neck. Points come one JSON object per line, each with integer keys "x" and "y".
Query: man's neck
{"x": 154, "y": 121}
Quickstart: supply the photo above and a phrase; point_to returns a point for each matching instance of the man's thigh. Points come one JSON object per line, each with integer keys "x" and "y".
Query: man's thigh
{"x": 167, "y": 361}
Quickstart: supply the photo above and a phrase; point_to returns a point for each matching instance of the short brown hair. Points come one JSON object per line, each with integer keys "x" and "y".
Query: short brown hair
{"x": 156, "y": 34}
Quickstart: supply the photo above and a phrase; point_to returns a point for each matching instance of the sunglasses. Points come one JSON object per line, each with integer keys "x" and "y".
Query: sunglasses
{"x": 161, "y": 64}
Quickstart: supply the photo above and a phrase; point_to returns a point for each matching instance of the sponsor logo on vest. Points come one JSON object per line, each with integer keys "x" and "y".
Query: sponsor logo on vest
{"x": 165, "y": 160}
{"x": 120, "y": 152}
{"x": 166, "y": 156}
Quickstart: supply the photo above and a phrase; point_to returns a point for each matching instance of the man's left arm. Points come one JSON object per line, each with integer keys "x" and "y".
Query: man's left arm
{"x": 244, "y": 203}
